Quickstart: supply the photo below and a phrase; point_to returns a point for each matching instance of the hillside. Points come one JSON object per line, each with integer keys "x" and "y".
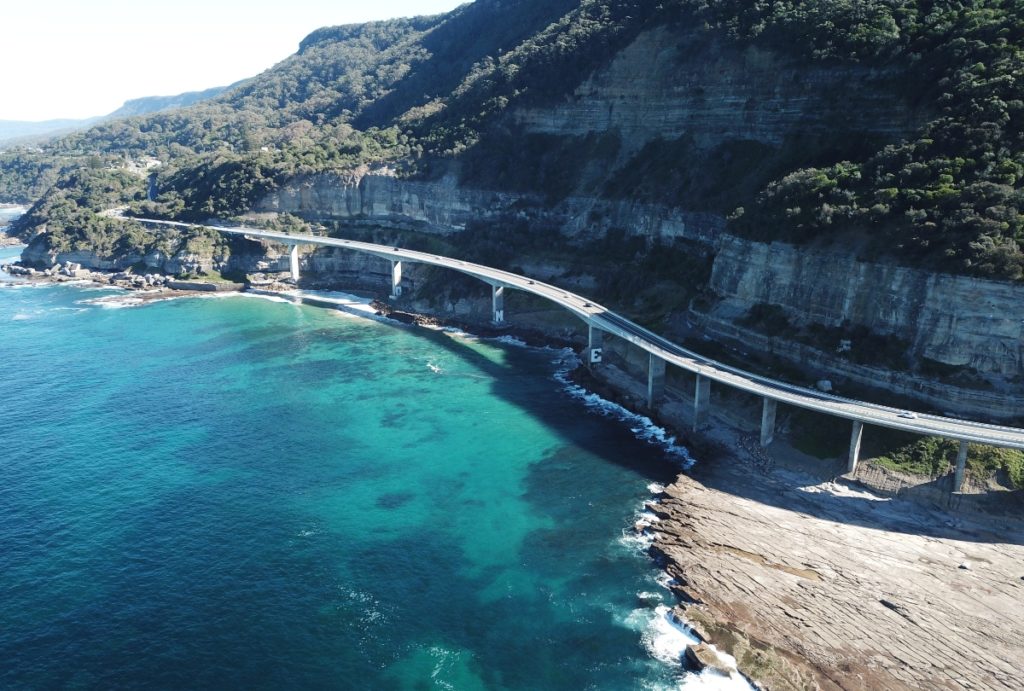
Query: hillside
{"x": 428, "y": 93}
{"x": 15, "y": 132}
{"x": 156, "y": 104}
{"x": 794, "y": 174}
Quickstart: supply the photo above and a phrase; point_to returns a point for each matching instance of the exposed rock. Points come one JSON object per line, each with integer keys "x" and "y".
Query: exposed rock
{"x": 811, "y": 590}
{"x": 203, "y": 286}
{"x": 954, "y": 320}
{"x": 669, "y": 83}
{"x": 702, "y": 656}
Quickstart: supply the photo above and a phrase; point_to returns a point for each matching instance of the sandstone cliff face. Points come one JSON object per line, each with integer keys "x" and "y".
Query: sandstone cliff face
{"x": 186, "y": 262}
{"x": 667, "y": 84}
{"x": 954, "y": 320}
{"x": 382, "y": 199}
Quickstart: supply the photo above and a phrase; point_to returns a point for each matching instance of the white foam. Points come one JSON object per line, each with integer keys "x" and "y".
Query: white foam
{"x": 639, "y": 542}
{"x": 114, "y": 302}
{"x": 260, "y": 296}
{"x": 23, "y": 284}
{"x": 655, "y": 488}
{"x": 20, "y": 316}
{"x": 434, "y": 368}
{"x": 512, "y": 341}
{"x": 642, "y": 426}
{"x": 666, "y": 580}
{"x": 666, "y": 641}
{"x": 453, "y": 331}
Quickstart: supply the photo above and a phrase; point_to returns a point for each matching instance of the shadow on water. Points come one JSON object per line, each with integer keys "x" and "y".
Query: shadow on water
{"x": 926, "y": 510}
{"x": 575, "y": 423}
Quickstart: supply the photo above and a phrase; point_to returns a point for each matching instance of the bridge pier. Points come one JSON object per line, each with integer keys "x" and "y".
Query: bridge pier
{"x": 655, "y": 380}
{"x": 293, "y": 263}
{"x": 701, "y": 402}
{"x": 768, "y": 421}
{"x": 855, "y": 436}
{"x": 396, "y": 279}
{"x": 595, "y": 346}
{"x": 961, "y": 466}
{"x": 497, "y": 304}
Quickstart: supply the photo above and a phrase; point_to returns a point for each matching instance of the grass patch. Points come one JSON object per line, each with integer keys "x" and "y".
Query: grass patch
{"x": 936, "y": 456}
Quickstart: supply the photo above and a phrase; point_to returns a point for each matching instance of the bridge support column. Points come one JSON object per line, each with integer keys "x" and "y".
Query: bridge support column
{"x": 768, "y": 421}
{"x": 396, "y": 279}
{"x": 497, "y": 304}
{"x": 701, "y": 402}
{"x": 854, "y": 457}
{"x": 961, "y": 466}
{"x": 293, "y": 263}
{"x": 595, "y": 346}
{"x": 655, "y": 380}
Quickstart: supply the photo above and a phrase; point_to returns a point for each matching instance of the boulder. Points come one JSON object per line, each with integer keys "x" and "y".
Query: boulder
{"x": 702, "y": 656}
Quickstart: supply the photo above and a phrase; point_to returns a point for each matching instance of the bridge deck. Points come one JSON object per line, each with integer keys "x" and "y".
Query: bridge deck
{"x": 605, "y": 319}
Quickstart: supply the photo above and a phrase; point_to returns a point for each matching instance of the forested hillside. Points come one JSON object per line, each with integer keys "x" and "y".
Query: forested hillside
{"x": 425, "y": 96}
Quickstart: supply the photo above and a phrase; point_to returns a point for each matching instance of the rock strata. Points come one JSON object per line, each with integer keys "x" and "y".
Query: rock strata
{"x": 820, "y": 586}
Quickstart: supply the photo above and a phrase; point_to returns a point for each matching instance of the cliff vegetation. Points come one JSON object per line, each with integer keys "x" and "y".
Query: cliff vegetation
{"x": 423, "y": 95}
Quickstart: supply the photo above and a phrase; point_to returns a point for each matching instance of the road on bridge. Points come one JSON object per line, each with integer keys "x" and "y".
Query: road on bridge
{"x": 608, "y": 321}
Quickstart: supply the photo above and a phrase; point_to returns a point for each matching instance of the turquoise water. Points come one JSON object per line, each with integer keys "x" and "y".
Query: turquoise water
{"x": 238, "y": 493}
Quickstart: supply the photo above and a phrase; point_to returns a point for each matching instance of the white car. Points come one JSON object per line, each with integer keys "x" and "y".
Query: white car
{"x": 908, "y": 415}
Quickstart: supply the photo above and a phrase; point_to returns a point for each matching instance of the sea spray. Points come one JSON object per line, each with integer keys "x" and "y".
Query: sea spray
{"x": 642, "y": 426}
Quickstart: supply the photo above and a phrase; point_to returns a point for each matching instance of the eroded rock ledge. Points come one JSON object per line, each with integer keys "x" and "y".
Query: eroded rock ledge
{"x": 821, "y": 586}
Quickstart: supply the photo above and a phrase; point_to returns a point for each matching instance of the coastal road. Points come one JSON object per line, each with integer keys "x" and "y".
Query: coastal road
{"x": 608, "y": 321}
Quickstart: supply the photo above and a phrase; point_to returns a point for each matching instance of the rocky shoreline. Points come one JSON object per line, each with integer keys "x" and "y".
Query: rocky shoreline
{"x": 806, "y": 584}
{"x": 815, "y": 582}
{"x": 128, "y": 280}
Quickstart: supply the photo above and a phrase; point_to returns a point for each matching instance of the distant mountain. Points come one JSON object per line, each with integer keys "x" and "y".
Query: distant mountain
{"x": 893, "y": 126}
{"x": 22, "y": 131}
{"x": 156, "y": 104}
{"x": 27, "y": 132}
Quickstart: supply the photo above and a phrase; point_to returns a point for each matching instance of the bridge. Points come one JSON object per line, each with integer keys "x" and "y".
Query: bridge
{"x": 662, "y": 352}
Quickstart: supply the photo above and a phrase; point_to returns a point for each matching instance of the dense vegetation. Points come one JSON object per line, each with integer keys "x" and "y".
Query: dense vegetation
{"x": 934, "y": 456}
{"x": 418, "y": 94}
{"x": 71, "y": 211}
{"x": 950, "y": 197}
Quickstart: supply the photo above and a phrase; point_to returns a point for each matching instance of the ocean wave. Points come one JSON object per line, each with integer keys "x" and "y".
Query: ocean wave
{"x": 261, "y": 296}
{"x": 510, "y": 340}
{"x": 12, "y": 285}
{"x": 666, "y": 640}
{"x": 113, "y": 302}
{"x": 640, "y": 536}
{"x": 642, "y": 426}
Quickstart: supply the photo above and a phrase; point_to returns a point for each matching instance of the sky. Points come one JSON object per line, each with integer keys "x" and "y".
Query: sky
{"x": 75, "y": 59}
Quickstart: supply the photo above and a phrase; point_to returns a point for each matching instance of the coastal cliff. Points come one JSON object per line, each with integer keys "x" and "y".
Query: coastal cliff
{"x": 621, "y": 137}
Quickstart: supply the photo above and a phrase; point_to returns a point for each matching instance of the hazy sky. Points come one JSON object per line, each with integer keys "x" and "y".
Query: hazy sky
{"x": 75, "y": 58}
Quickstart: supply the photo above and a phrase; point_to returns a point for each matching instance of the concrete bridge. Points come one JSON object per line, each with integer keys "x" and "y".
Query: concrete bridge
{"x": 662, "y": 352}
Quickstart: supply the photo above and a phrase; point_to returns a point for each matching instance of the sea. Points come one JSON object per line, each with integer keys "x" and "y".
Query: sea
{"x": 239, "y": 492}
